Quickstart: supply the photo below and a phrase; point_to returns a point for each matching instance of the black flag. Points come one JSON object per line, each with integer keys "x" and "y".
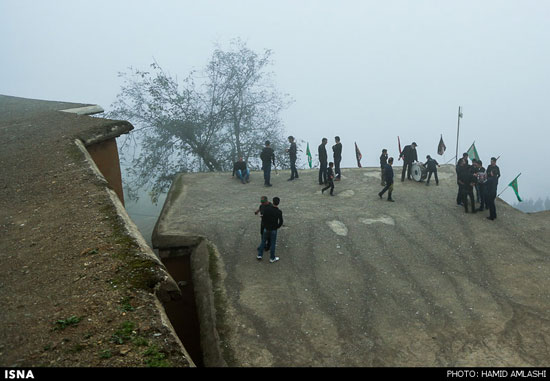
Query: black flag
{"x": 358, "y": 155}
{"x": 441, "y": 147}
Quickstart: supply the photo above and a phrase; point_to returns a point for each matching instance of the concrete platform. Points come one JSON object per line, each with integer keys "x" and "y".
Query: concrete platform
{"x": 366, "y": 282}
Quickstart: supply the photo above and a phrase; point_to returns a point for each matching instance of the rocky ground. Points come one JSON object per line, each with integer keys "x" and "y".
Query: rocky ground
{"x": 365, "y": 282}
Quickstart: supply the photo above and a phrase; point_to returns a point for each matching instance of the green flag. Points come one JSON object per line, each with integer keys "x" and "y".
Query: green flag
{"x": 308, "y": 153}
{"x": 472, "y": 152}
{"x": 514, "y": 185}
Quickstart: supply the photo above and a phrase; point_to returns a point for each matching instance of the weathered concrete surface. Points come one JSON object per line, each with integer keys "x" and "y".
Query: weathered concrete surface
{"x": 70, "y": 254}
{"x": 366, "y": 282}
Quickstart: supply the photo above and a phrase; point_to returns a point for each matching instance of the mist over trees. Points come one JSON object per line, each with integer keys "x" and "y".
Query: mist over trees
{"x": 531, "y": 206}
{"x": 204, "y": 122}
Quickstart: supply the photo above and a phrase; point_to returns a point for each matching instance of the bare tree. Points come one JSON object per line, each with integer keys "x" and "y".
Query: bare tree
{"x": 205, "y": 122}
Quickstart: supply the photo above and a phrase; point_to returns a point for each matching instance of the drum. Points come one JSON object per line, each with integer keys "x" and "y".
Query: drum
{"x": 419, "y": 171}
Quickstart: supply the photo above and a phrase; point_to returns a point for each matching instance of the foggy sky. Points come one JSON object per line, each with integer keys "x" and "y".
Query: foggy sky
{"x": 368, "y": 71}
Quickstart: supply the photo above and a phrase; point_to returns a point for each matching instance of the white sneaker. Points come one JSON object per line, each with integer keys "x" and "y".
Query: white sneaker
{"x": 274, "y": 260}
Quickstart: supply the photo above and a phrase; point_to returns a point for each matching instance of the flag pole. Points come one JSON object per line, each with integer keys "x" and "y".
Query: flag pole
{"x": 457, "y": 133}
{"x": 450, "y": 160}
{"x": 509, "y": 184}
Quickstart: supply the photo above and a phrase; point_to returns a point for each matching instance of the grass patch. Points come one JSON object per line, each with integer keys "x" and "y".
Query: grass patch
{"x": 64, "y": 323}
{"x": 125, "y": 305}
{"x": 155, "y": 358}
{"x": 125, "y": 333}
{"x": 106, "y": 354}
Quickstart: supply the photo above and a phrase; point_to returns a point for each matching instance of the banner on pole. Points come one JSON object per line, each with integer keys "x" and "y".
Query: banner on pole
{"x": 514, "y": 185}
{"x": 472, "y": 152}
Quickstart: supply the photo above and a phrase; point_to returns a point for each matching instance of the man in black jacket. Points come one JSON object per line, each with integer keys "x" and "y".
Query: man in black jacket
{"x": 493, "y": 173}
{"x": 272, "y": 219}
{"x": 264, "y": 202}
{"x": 431, "y": 165}
{"x": 292, "y": 155}
{"x": 409, "y": 156}
{"x": 267, "y": 157}
{"x": 337, "y": 150}
{"x": 388, "y": 179}
{"x": 330, "y": 179}
{"x": 466, "y": 181}
{"x": 383, "y": 162}
{"x": 323, "y": 161}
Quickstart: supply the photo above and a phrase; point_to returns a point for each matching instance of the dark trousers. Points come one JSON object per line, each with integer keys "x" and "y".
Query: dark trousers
{"x": 435, "y": 176}
{"x": 293, "y": 170}
{"x": 491, "y": 197}
{"x": 382, "y": 181}
{"x": 407, "y": 166}
{"x": 337, "y": 171}
{"x": 330, "y": 185}
{"x": 267, "y": 173}
{"x": 459, "y": 194}
{"x": 323, "y": 172}
{"x": 388, "y": 188}
{"x": 468, "y": 191}
{"x": 483, "y": 197}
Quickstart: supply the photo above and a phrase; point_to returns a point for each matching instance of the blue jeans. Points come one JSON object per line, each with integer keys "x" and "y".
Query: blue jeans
{"x": 243, "y": 176}
{"x": 272, "y": 236}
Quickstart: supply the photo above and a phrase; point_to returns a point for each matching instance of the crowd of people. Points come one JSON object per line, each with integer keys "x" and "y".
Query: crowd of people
{"x": 484, "y": 181}
{"x": 469, "y": 178}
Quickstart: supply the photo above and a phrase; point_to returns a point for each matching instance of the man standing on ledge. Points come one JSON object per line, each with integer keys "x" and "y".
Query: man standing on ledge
{"x": 292, "y": 154}
{"x": 272, "y": 219}
{"x": 267, "y": 157}
{"x": 323, "y": 162}
{"x": 409, "y": 156}
{"x": 493, "y": 173}
{"x": 337, "y": 150}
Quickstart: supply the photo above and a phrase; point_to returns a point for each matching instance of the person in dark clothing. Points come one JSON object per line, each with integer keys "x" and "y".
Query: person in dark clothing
{"x": 481, "y": 176}
{"x": 292, "y": 154}
{"x": 263, "y": 203}
{"x": 268, "y": 157}
{"x": 409, "y": 156}
{"x": 493, "y": 169}
{"x": 388, "y": 178}
{"x": 323, "y": 161}
{"x": 493, "y": 174}
{"x": 239, "y": 168}
{"x": 330, "y": 179}
{"x": 431, "y": 165}
{"x": 383, "y": 162}
{"x": 466, "y": 180}
{"x": 337, "y": 151}
{"x": 272, "y": 220}
{"x": 457, "y": 167}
